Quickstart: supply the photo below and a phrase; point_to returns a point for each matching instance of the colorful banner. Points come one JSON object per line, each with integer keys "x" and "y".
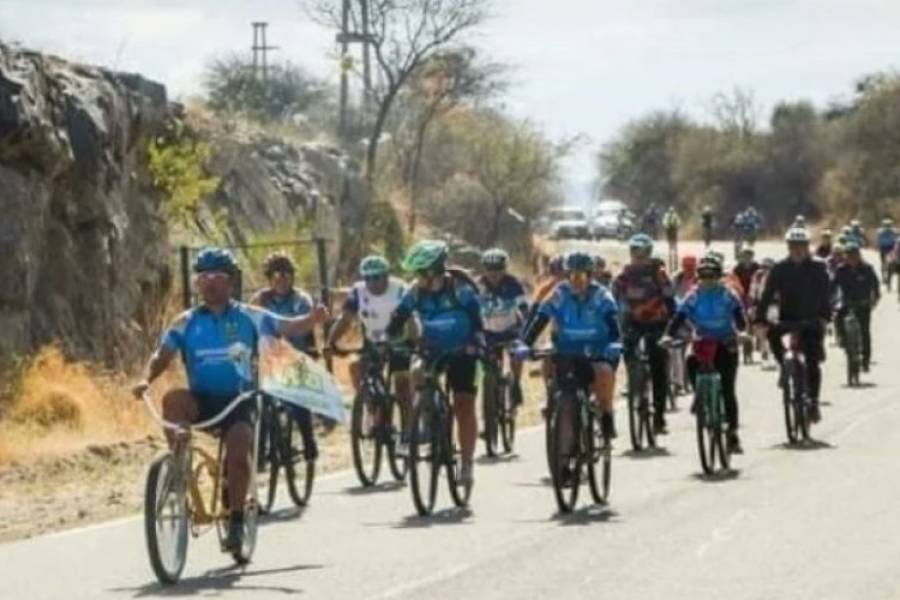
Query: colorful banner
{"x": 292, "y": 376}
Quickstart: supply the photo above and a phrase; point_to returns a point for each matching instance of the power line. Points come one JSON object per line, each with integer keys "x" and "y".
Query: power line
{"x": 261, "y": 49}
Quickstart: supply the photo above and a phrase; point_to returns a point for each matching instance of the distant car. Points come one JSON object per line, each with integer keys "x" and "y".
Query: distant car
{"x": 612, "y": 219}
{"x": 569, "y": 223}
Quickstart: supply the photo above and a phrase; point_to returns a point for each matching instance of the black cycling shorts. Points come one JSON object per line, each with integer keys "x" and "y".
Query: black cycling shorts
{"x": 210, "y": 406}
{"x": 581, "y": 367}
{"x": 460, "y": 370}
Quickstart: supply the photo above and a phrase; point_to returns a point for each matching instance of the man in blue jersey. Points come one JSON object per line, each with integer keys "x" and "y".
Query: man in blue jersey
{"x": 504, "y": 309}
{"x": 886, "y": 238}
{"x": 447, "y": 306}
{"x": 215, "y": 340}
{"x": 716, "y": 314}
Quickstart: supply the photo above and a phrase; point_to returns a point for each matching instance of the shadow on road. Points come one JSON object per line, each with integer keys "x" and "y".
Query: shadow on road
{"x": 448, "y": 516}
{"x": 217, "y": 581}
{"x": 381, "y": 488}
{"x": 542, "y": 483}
{"x": 718, "y": 477}
{"x": 497, "y": 460}
{"x": 811, "y": 444}
{"x": 585, "y": 515}
{"x": 863, "y": 385}
{"x": 647, "y": 453}
{"x": 283, "y": 514}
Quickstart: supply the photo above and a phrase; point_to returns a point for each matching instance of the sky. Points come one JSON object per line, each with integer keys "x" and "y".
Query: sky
{"x": 581, "y": 66}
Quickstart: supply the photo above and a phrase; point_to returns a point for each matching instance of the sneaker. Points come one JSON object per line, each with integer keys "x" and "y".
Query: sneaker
{"x": 235, "y": 538}
{"x": 466, "y": 477}
{"x": 734, "y": 444}
{"x": 814, "y": 414}
{"x": 608, "y": 426}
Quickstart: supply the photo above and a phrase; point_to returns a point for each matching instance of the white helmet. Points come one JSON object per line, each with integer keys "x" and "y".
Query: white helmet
{"x": 797, "y": 235}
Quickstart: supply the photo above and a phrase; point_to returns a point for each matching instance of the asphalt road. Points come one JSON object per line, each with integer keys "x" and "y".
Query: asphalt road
{"x": 815, "y": 523}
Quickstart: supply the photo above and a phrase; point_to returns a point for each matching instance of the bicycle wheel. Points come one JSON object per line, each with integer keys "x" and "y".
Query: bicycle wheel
{"x": 852, "y": 345}
{"x": 459, "y": 493}
{"x": 705, "y": 447}
{"x": 299, "y": 472}
{"x": 565, "y": 469}
{"x": 489, "y": 410}
{"x": 272, "y": 458}
{"x": 646, "y": 411}
{"x": 513, "y": 398}
{"x": 800, "y": 401}
{"x": 787, "y": 396}
{"x": 424, "y": 455}
{"x": 747, "y": 351}
{"x": 634, "y": 408}
{"x": 598, "y": 454}
{"x": 166, "y": 519}
{"x": 366, "y": 441}
{"x": 397, "y": 463}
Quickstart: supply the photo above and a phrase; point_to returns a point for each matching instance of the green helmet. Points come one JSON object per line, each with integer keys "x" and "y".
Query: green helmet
{"x": 641, "y": 241}
{"x": 374, "y": 266}
{"x": 427, "y": 255}
{"x": 851, "y": 246}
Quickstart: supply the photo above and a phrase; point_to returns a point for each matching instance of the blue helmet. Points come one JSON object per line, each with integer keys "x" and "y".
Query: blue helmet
{"x": 215, "y": 259}
{"x": 579, "y": 261}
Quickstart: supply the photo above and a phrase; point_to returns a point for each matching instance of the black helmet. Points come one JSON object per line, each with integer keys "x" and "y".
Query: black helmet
{"x": 278, "y": 262}
{"x": 579, "y": 261}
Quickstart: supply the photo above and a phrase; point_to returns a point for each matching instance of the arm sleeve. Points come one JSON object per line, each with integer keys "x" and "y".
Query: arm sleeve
{"x": 472, "y": 305}
{"x": 740, "y": 317}
{"x": 173, "y": 338}
{"x": 768, "y": 293}
{"x": 542, "y": 316}
{"x": 402, "y": 314}
{"x": 267, "y": 324}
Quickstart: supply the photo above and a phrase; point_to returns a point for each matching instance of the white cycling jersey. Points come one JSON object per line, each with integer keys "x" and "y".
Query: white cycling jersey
{"x": 375, "y": 311}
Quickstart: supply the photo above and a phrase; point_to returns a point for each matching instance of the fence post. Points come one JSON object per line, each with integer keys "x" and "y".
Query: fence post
{"x": 325, "y": 295}
{"x": 184, "y": 252}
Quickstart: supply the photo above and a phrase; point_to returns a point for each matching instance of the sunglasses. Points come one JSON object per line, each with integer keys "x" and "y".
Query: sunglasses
{"x": 374, "y": 278}
{"x": 212, "y": 274}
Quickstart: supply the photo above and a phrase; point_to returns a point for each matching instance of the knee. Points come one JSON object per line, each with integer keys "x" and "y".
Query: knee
{"x": 178, "y": 405}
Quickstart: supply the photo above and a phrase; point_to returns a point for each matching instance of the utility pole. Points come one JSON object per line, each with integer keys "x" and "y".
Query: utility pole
{"x": 260, "y": 50}
{"x": 346, "y": 65}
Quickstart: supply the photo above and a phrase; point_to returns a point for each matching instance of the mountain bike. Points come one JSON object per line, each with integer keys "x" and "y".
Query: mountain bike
{"x": 709, "y": 409}
{"x": 502, "y": 395}
{"x": 377, "y": 418}
{"x": 793, "y": 381}
{"x": 852, "y": 343}
{"x": 640, "y": 408}
{"x": 186, "y": 493}
{"x": 576, "y": 445}
{"x": 678, "y": 379}
{"x": 282, "y": 448}
{"x": 432, "y": 446}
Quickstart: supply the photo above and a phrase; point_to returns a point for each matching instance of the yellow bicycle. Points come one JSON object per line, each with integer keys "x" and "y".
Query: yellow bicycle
{"x": 186, "y": 493}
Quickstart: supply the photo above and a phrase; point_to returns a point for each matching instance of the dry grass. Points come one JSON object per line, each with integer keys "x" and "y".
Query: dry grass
{"x": 63, "y": 405}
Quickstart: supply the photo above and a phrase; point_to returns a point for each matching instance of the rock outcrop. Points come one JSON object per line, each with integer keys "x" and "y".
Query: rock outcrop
{"x": 84, "y": 257}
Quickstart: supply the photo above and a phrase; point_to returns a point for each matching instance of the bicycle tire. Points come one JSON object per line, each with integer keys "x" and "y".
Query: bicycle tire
{"x": 459, "y": 494}
{"x": 565, "y": 492}
{"x": 489, "y": 414}
{"x": 599, "y": 487}
{"x": 704, "y": 445}
{"x": 424, "y": 431}
{"x": 646, "y": 410}
{"x": 513, "y": 397}
{"x": 273, "y": 458}
{"x": 366, "y": 450}
{"x": 852, "y": 348}
{"x": 293, "y": 455}
{"x": 801, "y": 400}
{"x": 398, "y": 464}
{"x": 634, "y": 416}
{"x": 787, "y": 398}
{"x": 159, "y": 480}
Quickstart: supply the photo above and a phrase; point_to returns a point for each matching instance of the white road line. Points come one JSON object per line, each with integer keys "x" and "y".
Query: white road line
{"x": 723, "y": 533}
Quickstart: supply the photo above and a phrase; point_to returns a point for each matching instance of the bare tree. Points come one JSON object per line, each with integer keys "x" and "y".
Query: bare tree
{"x": 403, "y": 35}
{"x": 737, "y": 113}
{"x": 443, "y": 83}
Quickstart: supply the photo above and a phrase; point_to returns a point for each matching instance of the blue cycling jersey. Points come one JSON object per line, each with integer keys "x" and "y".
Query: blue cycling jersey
{"x": 711, "y": 312}
{"x": 449, "y": 318}
{"x": 294, "y": 304}
{"x": 887, "y": 237}
{"x": 216, "y": 349}
{"x": 584, "y": 326}
{"x": 502, "y": 306}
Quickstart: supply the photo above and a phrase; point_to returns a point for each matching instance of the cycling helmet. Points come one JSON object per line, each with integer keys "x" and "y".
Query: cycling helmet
{"x": 851, "y": 246}
{"x": 855, "y": 223}
{"x": 846, "y": 229}
{"x": 579, "y": 261}
{"x": 427, "y": 255}
{"x": 642, "y": 242}
{"x": 278, "y": 262}
{"x": 556, "y": 265}
{"x": 689, "y": 262}
{"x": 797, "y": 235}
{"x": 768, "y": 262}
{"x": 495, "y": 259}
{"x": 599, "y": 262}
{"x": 374, "y": 266}
{"x": 887, "y": 222}
{"x": 716, "y": 255}
{"x": 215, "y": 259}
{"x": 827, "y": 233}
{"x": 799, "y": 219}
{"x": 710, "y": 264}
{"x": 746, "y": 251}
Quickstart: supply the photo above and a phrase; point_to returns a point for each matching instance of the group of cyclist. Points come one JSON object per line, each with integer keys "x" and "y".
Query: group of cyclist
{"x": 596, "y": 320}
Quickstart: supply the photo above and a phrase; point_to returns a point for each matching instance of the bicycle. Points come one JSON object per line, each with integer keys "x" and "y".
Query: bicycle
{"x": 502, "y": 397}
{"x": 678, "y": 380}
{"x": 431, "y": 445}
{"x": 793, "y": 382}
{"x": 572, "y": 403}
{"x": 282, "y": 448}
{"x": 640, "y": 409}
{"x": 174, "y": 504}
{"x": 709, "y": 409}
{"x": 852, "y": 343}
{"x": 376, "y": 404}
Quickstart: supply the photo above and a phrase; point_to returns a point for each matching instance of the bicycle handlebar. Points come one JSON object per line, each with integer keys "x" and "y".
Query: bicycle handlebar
{"x": 148, "y": 401}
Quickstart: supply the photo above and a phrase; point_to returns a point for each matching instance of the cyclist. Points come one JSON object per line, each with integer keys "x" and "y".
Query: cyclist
{"x": 887, "y": 237}
{"x": 372, "y": 301}
{"x": 215, "y": 340}
{"x": 282, "y": 298}
{"x": 801, "y": 285}
{"x": 799, "y": 222}
{"x": 685, "y": 279}
{"x": 744, "y": 271}
{"x": 858, "y": 234}
{"x": 757, "y": 285}
{"x": 754, "y": 224}
{"x": 556, "y": 274}
{"x": 823, "y": 250}
{"x": 646, "y": 301}
{"x": 739, "y": 225}
{"x": 671, "y": 223}
{"x": 504, "y": 308}
{"x": 445, "y": 302}
{"x": 857, "y": 285}
{"x": 650, "y": 222}
{"x": 837, "y": 258}
{"x": 587, "y": 333}
{"x": 706, "y": 222}
{"x": 716, "y": 313}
